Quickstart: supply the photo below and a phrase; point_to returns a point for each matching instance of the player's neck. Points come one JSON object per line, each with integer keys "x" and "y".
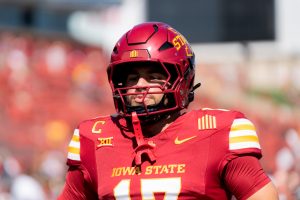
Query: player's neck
{"x": 152, "y": 129}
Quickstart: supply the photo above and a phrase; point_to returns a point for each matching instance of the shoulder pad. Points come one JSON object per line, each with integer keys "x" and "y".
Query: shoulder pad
{"x": 87, "y": 132}
{"x": 242, "y": 136}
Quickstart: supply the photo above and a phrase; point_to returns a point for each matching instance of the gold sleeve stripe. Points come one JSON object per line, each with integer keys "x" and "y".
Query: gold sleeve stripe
{"x": 250, "y": 138}
{"x": 242, "y": 126}
{"x": 74, "y": 147}
{"x": 75, "y": 138}
{"x": 243, "y": 135}
{"x": 237, "y": 127}
{"x": 74, "y": 150}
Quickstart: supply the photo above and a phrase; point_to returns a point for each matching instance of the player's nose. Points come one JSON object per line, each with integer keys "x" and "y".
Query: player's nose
{"x": 142, "y": 82}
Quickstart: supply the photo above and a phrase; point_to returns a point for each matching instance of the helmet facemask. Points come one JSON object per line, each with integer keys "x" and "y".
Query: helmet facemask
{"x": 122, "y": 91}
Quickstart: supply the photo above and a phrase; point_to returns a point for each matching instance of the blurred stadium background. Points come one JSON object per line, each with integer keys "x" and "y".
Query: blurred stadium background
{"x": 53, "y": 58}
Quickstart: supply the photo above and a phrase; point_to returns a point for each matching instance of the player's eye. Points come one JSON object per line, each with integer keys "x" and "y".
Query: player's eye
{"x": 132, "y": 79}
{"x": 157, "y": 76}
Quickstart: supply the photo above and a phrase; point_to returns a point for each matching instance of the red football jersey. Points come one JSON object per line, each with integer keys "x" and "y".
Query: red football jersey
{"x": 191, "y": 156}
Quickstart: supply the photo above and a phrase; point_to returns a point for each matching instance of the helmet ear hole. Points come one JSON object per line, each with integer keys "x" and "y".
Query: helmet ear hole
{"x": 115, "y": 50}
{"x": 155, "y": 27}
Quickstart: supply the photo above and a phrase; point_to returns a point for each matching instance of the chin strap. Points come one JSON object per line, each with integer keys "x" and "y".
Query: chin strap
{"x": 143, "y": 146}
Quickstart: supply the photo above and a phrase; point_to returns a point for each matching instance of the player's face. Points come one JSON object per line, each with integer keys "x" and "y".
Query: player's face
{"x": 144, "y": 78}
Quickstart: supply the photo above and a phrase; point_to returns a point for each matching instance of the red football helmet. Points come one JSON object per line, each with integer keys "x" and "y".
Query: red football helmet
{"x": 159, "y": 46}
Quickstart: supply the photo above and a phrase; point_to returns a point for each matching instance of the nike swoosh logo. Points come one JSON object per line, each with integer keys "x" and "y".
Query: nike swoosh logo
{"x": 178, "y": 141}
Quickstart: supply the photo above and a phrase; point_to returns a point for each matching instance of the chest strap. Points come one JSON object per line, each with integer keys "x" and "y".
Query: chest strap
{"x": 143, "y": 147}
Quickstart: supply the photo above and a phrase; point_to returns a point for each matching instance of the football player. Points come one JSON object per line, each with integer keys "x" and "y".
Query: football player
{"x": 152, "y": 148}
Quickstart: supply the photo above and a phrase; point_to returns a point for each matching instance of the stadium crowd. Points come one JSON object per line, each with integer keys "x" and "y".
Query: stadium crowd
{"x": 48, "y": 85}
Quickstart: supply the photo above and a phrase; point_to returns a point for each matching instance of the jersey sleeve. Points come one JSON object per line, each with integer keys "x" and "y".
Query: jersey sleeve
{"x": 79, "y": 184}
{"x": 240, "y": 168}
{"x": 75, "y": 186}
{"x": 244, "y": 176}
{"x": 240, "y": 138}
